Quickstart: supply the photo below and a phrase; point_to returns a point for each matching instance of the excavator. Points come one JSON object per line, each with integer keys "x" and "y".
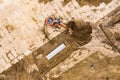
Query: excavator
{"x": 57, "y": 23}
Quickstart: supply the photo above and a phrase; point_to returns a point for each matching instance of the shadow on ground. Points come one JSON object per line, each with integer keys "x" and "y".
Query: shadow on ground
{"x": 82, "y": 31}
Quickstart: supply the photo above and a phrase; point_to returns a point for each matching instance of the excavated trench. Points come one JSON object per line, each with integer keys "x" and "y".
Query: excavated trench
{"x": 82, "y": 32}
{"x": 98, "y": 66}
{"x": 81, "y": 36}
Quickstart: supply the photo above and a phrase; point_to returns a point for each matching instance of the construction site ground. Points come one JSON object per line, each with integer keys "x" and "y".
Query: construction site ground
{"x": 22, "y": 33}
{"x": 94, "y": 67}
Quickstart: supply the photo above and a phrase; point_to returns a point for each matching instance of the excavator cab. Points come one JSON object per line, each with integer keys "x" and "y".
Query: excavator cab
{"x": 57, "y": 23}
{"x": 49, "y": 21}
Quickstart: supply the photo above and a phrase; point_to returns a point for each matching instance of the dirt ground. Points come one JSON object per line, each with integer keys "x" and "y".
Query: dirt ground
{"x": 44, "y": 1}
{"x": 95, "y": 67}
{"x": 23, "y": 67}
{"x": 88, "y": 2}
{"x": 20, "y": 71}
{"x": 81, "y": 2}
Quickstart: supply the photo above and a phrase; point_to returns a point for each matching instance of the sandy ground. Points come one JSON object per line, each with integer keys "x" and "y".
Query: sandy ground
{"x": 27, "y": 32}
{"x": 95, "y": 45}
{"x": 94, "y": 67}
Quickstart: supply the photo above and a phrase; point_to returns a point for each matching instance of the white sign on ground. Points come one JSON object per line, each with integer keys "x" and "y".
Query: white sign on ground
{"x": 56, "y": 51}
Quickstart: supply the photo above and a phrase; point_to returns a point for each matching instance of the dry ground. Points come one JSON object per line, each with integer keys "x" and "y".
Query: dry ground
{"x": 95, "y": 67}
{"x": 88, "y": 2}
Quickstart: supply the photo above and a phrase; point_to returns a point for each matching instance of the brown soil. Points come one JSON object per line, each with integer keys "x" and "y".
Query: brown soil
{"x": 82, "y": 31}
{"x": 18, "y": 71}
{"x": 66, "y": 2}
{"x": 95, "y": 68}
{"x": 89, "y": 2}
{"x": 10, "y": 28}
{"x": 44, "y": 1}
